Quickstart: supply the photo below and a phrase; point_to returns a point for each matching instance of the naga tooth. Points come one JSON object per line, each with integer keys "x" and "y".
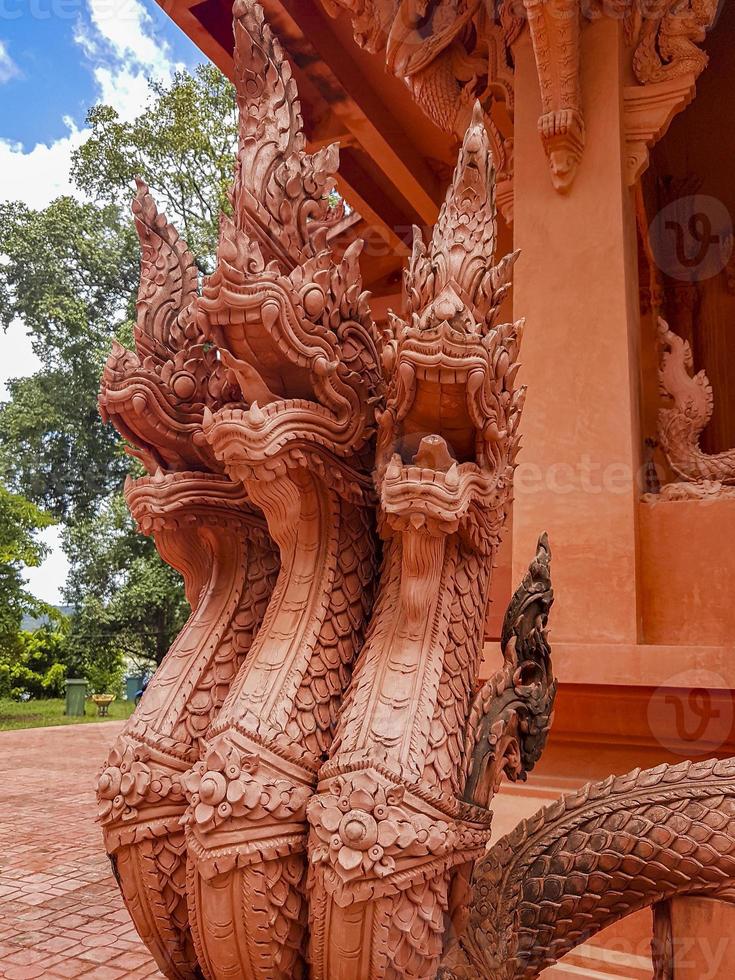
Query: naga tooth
{"x": 393, "y": 470}
{"x": 475, "y": 381}
{"x": 451, "y": 478}
{"x": 256, "y": 415}
{"x": 158, "y": 476}
{"x": 207, "y": 419}
{"x": 269, "y": 315}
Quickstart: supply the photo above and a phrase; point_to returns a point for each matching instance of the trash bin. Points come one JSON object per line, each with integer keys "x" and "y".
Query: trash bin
{"x": 76, "y": 693}
{"x": 133, "y": 685}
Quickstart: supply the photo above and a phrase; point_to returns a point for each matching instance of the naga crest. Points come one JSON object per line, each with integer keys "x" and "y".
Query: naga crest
{"x": 448, "y": 436}
{"x": 680, "y": 426}
{"x": 155, "y": 395}
{"x": 511, "y": 714}
{"x": 289, "y": 320}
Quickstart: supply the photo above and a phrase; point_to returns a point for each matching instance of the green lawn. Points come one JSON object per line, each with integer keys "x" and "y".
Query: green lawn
{"x": 42, "y": 714}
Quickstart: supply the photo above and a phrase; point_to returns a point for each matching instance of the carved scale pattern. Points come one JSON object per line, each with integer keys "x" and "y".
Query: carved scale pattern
{"x": 444, "y": 767}
{"x": 140, "y": 791}
{"x": 592, "y": 858}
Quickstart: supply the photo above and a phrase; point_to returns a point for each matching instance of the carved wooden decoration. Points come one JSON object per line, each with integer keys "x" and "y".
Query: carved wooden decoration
{"x": 680, "y": 426}
{"x": 556, "y": 32}
{"x": 667, "y": 36}
{"x": 666, "y": 63}
{"x": 449, "y": 54}
{"x": 648, "y": 113}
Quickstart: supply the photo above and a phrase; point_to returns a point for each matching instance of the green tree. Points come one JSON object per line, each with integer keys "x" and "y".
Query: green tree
{"x": 33, "y": 663}
{"x": 127, "y": 599}
{"x": 183, "y": 146}
{"x": 69, "y": 272}
{"x": 69, "y": 276}
{"x": 20, "y": 520}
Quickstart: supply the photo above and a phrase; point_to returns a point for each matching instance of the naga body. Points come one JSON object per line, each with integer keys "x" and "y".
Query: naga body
{"x": 204, "y": 526}
{"x": 399, "y": 815}
{"x": 292, "y": 325}
{"x": 593, "y": 857}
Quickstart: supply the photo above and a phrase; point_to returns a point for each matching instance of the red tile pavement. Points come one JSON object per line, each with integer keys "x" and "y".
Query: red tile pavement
{"x": 61, "y": 914}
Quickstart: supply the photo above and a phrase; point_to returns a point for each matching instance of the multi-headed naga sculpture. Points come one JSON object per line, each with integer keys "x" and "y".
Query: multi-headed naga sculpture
{"x": 294, "y": 327}
{"x": 680, "y": 425}
{"x": 254, "y": 406}
{"x": 258, "y": 396}
{"x": 204, "y": 526}
{"x": 400, "y": 815}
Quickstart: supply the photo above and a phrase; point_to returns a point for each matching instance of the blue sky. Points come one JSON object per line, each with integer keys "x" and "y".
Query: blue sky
{"x": 58, "y": 58}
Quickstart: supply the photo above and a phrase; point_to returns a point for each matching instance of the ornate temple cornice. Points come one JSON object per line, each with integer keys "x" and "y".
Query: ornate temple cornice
{"x": 451, "y": 52}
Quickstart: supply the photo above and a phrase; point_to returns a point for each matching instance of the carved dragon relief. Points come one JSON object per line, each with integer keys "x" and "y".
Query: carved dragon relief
{"x": 451, "y": 52}
{"x": 680, "y": 426}
{"x": 205, "y": 527}
{"x": 390, "y": 825}
{"x": 666, "y": 39}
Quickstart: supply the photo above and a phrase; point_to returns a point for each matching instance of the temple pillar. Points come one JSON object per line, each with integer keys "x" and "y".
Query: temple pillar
{"x": 694, "y": 939}
{"x": 577, "y": 288}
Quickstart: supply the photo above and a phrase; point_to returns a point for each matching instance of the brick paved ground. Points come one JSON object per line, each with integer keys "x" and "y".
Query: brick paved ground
{"x": 61, "y": 914}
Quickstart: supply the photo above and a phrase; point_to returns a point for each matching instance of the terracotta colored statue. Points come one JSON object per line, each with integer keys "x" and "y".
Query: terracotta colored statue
{"x": 396, "y": 821}
{"x": 205, "y": 527}
{"x": 680, "y": 426}
{"x": 293, "y": 326}
{"x": 265, "y": 808}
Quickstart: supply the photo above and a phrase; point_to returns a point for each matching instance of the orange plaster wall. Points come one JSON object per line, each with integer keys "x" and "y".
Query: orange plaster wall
{"x": 687, "y": 564}
{"x": 576, "y": 283}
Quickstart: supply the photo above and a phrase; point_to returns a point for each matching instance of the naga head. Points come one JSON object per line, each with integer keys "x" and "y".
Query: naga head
{"x": 449, "y": 433}
{"x": 289, "y": 320}
{"x": 511, "y": 714}
{"x": 155, "y": 395}
{"x": 690, "y": 404}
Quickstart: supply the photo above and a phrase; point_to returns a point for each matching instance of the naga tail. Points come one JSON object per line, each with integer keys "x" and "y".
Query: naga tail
{"x": 592, "y": 858}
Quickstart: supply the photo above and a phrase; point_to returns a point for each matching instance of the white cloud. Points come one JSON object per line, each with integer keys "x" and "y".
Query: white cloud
{"x": 38, "y": 175}
{"x": 127, "y": 27}
{"x": 8, "y": 68}
{"x": 125, "y": 89}
{"x": 47, "y": 580}
{"x": 119, "y": 38}
{"x": 16, "y": 355}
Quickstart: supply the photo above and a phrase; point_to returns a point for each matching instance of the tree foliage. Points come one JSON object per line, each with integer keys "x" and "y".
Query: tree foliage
{"x": 69, "y": 273}
{"x": 33, "y": 663}
{"x": 20, "y": 520}
{"x": 183, "y": 147}
{"x": 125, "y": 596}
